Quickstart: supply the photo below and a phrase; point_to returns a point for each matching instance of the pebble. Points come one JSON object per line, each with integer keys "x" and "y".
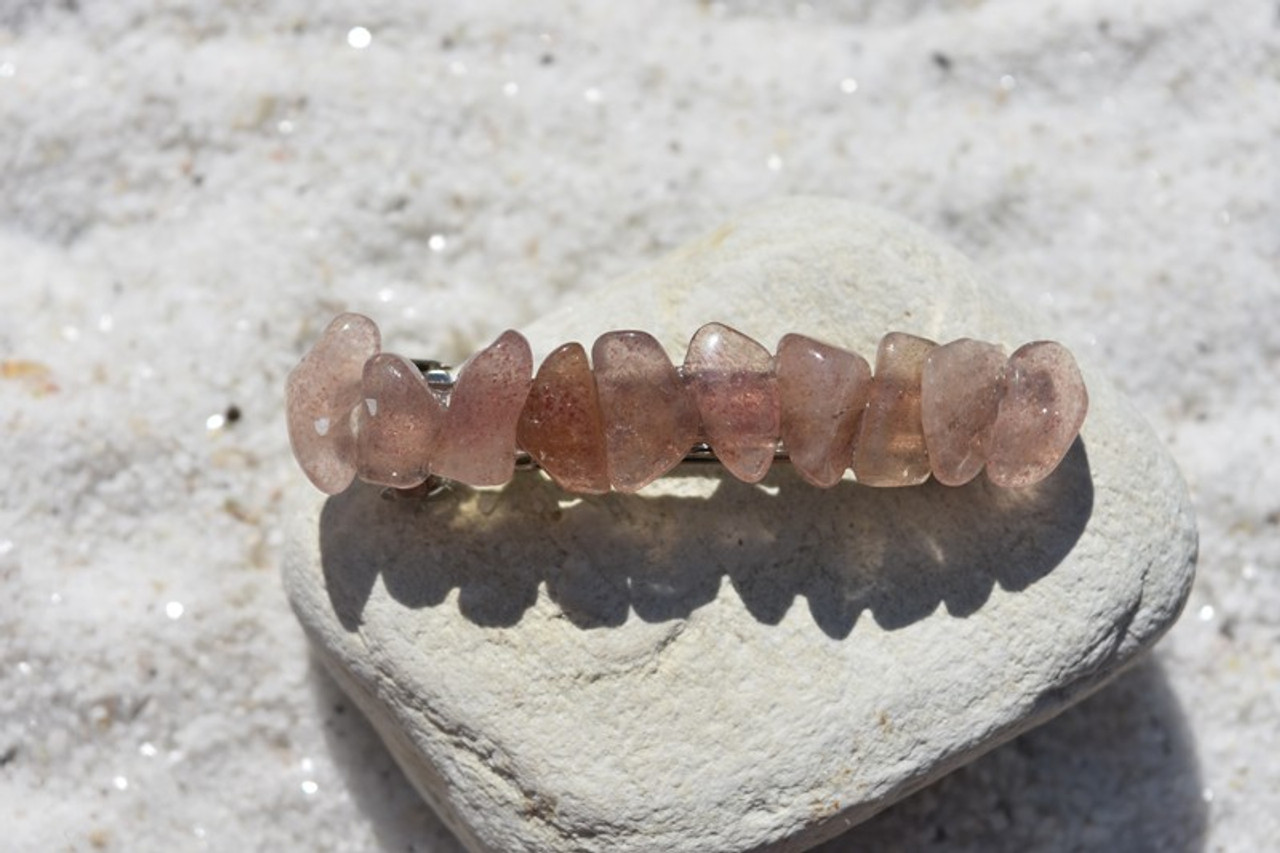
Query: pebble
{"x": 711, "y": 664}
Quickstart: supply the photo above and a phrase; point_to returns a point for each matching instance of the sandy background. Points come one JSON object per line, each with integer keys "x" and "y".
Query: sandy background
{"x": 189, "y": 191}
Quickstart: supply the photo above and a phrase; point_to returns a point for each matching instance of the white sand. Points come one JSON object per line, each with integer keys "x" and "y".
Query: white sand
{"x": 189, "y": 192}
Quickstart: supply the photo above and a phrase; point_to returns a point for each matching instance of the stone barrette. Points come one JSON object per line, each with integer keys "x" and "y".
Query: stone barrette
{"x": 628, "y": 415}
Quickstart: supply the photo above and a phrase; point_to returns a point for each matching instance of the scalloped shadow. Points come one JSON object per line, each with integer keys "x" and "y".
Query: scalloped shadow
{"x": 896, "y": 553}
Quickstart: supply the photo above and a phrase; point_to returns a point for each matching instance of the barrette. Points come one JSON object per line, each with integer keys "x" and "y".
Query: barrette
{"x": 628, "y": 415}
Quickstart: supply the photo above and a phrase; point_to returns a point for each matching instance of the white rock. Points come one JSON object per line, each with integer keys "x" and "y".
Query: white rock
{"x": 716, "y": 666}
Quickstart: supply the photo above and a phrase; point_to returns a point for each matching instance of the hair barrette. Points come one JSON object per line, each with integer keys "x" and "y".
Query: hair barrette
{"x": 629, "y": 416}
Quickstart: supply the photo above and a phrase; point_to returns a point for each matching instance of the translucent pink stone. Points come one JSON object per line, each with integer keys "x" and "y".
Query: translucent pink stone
{"x": 959, "y": 396}
{"x": 320, "y": 397}
{"x": 890, "y": 450}
{"x": 561, "y": 426}
{"x": 650, "y": 419}
{"x": 731, "y": 377}
{"x": 1044, "y": 404}
{"x": 477, "y": 442}
{"x": 822, "y": 390}
{"x": 396, "y": 423}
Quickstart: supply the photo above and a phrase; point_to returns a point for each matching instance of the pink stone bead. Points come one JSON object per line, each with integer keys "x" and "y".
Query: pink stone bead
{"x": 561, "y": 426}
{"x": 320, "y": 398}
{"x": 890, "y": 450}
{"x": 823, "y": 391}
{"x": 650, "y": 419}
{"x": 732, "y": 380}
{"x": 477, "y": 441}
{"x": 959, "y": 396}
{"x": 396, "y": 423}
{"x": 1044, "y": 405}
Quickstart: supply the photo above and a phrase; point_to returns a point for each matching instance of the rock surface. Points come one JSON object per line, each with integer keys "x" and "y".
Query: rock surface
{"x": 716, "y": 665}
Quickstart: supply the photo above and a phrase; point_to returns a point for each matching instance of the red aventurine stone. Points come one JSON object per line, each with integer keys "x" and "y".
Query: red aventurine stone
{"x": 890, "y": 450}
{"x": 477, "y": 441}
{"x": 396, "y": 423}
{"x": 1044, "y": 404}
{"x": 320, "y": 396}
{"x": 561, "y": 426}
{"x": 650, "y": 419}
{"x": 731, "y": 377}
{"x": 959, "y": 396}
{"x": 823, "y": 391}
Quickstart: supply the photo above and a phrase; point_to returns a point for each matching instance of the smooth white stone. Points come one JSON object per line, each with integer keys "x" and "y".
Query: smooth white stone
{"x": 713, "y": 665}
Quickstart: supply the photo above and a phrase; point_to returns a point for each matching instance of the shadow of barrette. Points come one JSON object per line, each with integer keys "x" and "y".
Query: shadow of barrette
{"x": 894, "y": 553}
